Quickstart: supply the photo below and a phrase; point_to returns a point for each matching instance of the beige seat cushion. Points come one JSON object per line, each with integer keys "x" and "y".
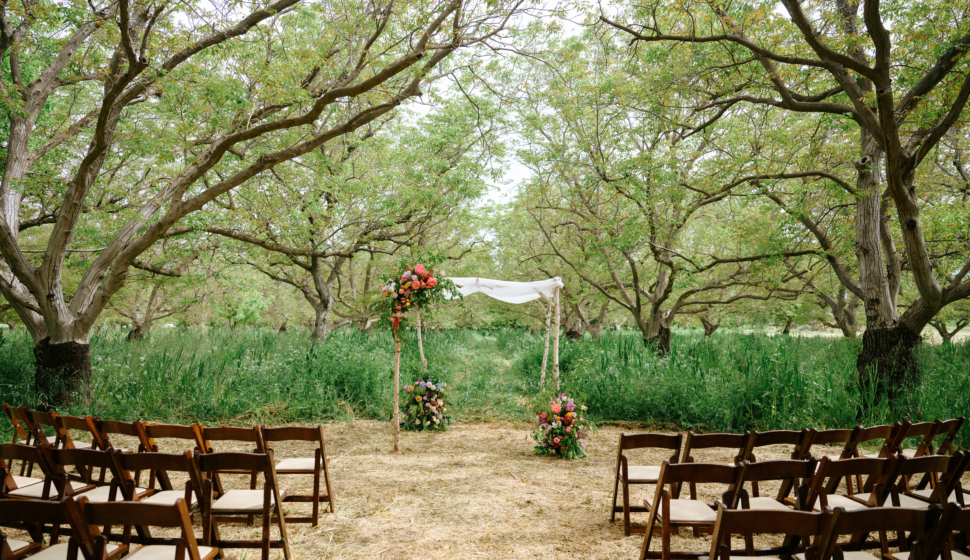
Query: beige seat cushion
{"x": 768, "y": 504}
{"x": 81, "y": 444}
{"x": 59, "y": 552}
{"x": 296, "y": 464}
{"x": 16, "y": 545}
{"x": 37, "y": 490}
{"x": 909, "y": 453}
{"x": 160, "y": 552}
{"x": 241, "y": 501}
{"x": 168, "y": 497}
{"x": 927, "y": 492}
{"x": 22, "y": 481}
{"x": 101, "y": 494}
{"x": 848, "y": 555}
{"x": 688, "y": 511}
{"x": 643, "y": 474}
{"x": 838, "y": 500}
{"x": 957, "y": 555}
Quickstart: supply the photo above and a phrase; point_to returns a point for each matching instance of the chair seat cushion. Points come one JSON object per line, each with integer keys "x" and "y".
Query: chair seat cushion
{"x": 296, "y": 464}
{"x": 59, "y": 552}
{"x": 767, "y": 504}
{"x": 838, "y": 500}
{"x": 242, "y": 501}
{"x": 688, "y": 511}
{"x": 909, "y": 453}
{"x": 957, "y": 555}
{"x": 168, "y": 497}
{"x": 16, "y": 545}
{"x": 81, "y": 444}
{"x": 848, "y": 555}
{"x": 927, "y": 492}
{"x": 101, "y": 494}
{"x": 161, "y": 552}
{"x": 22, "y": 481}
{"x": 643, "y": 473}
{"x": 37, "y": 490}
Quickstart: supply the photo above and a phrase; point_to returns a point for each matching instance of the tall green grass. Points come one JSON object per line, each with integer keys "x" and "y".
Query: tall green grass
{"x": 736, "y": 382}
{"x": 729, "y": 382}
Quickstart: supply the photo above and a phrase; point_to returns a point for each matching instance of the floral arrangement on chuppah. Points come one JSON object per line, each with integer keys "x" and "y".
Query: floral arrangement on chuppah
{"x": 561, "y": 429}
{"x": 417, "y": 287}
{"x": 425, "y": 406}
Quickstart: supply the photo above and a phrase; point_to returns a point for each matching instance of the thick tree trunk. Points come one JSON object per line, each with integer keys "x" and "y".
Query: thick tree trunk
{"x": 661, "y": 341}
{"x": 709, "y": 327}
{"x": 136, "y": 333}
{"x": 788, "y": 324}
{"x": 889, "y": 367}
{"x": 321, "y": 325}
{"x": 62, "y": 372}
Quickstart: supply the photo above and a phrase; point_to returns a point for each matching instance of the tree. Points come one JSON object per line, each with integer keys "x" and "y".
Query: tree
{"x": 895, "y": 93}
{"x": 187, "y": 111}
{"x": 625, "y": 202}
{"x": 370, "y": 193}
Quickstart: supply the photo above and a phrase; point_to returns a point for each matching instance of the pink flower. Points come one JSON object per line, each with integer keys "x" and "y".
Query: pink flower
{"x": 432, "y": 282}
{"x": 419, "y": 269}
{"x": 555, "y": 408}
{"x": 568, "y": 430}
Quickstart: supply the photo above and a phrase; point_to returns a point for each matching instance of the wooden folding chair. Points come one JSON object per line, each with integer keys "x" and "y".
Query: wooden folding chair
{"x": 37, "y": 421}
{"x": 236, "y": 503}
{"x": 187, "y": 438}
{"x": 626, "y": 474}
{"x": 86, "y": 460}
{"x": 19, "y": 435}
{"x": 33, "y": 515}
{"x": 175, "y": 515}
{"x": 736, "y": 442}
{"x": 858, "y": 523}
{"x": 671, "y": 512}
{"x": 315, "y": 466}
{"x": 927, "y": 432}
{"x": 879, "y": 473}
{"x": 107, "y": 429}
{"x": 793, "y": 440}
{"x": 892, "y": 439}
{"x": 940, "y": 543}
{"x": 948, "y": 469}
{"x": 162, "y": 462}
{"x": 811, "y": 447}
{"x": 53, "y": 486}
{"x": 809, "y": 527}
{"x": 949, "y": 429}
{"x": 784, "y": 470}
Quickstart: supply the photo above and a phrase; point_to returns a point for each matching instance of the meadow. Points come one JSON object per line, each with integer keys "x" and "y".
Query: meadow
{"x": 727, "y": 382}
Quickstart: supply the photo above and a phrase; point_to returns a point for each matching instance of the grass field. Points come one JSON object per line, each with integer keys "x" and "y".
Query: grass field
{"x": 729, "y": 382}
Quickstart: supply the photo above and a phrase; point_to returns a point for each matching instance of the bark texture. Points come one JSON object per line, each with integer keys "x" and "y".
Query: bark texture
{"x": 62, "y": 372}
{"x": 890, "y": 360}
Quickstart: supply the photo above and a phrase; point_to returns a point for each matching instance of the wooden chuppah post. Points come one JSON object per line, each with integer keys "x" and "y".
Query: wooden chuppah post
{"x": 397, "y": 389}
{"x": 424, "y": 361}
{"x": 555, "y": 343}
{"x": 545, "y": 352}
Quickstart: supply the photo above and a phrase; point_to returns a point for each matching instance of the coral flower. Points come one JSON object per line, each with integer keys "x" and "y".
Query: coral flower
{"x": 555, "y": 408}
{"x": 432, "y": 282}
{"x": 419, "y": 269}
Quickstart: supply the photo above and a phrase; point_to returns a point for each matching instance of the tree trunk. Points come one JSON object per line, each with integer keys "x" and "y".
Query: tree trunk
{"x": 787, "y": 329}
{"x": 62, "y": 372}
{"x": 709, "y": 326}
{"x": 321, "y": 326}
{"x": 424, "y": 361}
{"x": 889, "y": 367}
{"x": 136, "y": 333}
{"x": 661, "y": 341}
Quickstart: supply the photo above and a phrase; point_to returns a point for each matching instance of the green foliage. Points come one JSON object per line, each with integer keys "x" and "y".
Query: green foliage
{"x": 737, "y": 382}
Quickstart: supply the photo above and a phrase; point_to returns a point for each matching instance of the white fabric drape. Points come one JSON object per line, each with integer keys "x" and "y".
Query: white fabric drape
{"x": 510, "y": 292}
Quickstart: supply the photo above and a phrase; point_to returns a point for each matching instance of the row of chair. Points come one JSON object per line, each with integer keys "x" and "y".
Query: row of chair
{"x": 29, "y": 428}
{"x": 884, "y": 486}
{"x": 931, "y": 438}
{"x": 69, "y": 469}
{"x": 925, "y": 534}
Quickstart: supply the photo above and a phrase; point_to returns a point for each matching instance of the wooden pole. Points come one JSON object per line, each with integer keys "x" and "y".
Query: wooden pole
{"x": 397, "y": 391}
{"x": 424, "y": 361}
{"x": 555, "y": 344}
{"x": 545, "y": 352}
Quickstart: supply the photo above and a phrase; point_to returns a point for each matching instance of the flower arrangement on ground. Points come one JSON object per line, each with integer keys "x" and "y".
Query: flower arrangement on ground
{"x": 561, "y": 429}
{"x": 425, "y": 406}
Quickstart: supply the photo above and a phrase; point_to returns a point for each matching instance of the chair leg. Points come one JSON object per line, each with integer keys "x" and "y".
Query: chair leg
{"x": 626, "y": 506}
{"x": 267, "y": 517}
{"x": 616, "y": 488}
{"x": 316, "y": 499}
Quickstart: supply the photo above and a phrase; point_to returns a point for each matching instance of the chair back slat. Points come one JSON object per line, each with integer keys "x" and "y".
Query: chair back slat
{"x": 192, "y": 433}
{"x": 700, "y": 473}
{"x": 298, "y": 433}
{"x": 18, "y": 428}
{"x": 233, "y": 433}
{"x": 216, "y": 462}
{"x": 657, "y": 441}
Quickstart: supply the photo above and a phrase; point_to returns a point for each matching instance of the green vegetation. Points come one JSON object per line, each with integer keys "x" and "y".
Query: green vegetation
{"x": 730, "y": 382}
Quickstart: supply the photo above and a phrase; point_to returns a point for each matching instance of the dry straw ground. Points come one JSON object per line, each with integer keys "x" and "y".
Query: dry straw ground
{"x": 472, "y": 492}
